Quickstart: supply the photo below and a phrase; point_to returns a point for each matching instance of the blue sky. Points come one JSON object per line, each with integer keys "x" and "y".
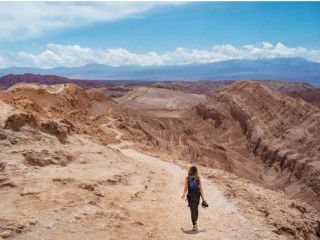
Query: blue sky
{"x": 145, "y": 33}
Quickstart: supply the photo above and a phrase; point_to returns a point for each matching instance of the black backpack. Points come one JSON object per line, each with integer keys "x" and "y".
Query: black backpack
{"x": 193, "y": 186}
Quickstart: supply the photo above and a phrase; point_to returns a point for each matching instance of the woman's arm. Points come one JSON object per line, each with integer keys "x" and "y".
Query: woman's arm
{"x": 185, "y": 188}
{"x": 201, "y": 190}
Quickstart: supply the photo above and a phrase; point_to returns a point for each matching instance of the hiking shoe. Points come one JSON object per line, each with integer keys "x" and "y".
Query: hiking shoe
{"x": 194, "y": 229}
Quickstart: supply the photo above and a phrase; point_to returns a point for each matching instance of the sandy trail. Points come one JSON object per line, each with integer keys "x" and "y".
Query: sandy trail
{"x": 116, "y": 193}
{"x": 169, "y": 214}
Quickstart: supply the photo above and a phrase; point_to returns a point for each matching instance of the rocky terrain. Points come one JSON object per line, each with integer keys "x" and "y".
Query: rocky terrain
{"x": 109, "y": 88}
{"x": 310, "y": 95}
{"x": 212, "y": 87}
{"x": 74, "y": 164}
{"x": 251, "y": 131}
{"x": 12, "y": 79}
{"x": 119, "y": 88}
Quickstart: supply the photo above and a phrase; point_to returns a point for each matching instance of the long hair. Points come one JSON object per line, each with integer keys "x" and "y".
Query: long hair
{"x": 193, "y": 172}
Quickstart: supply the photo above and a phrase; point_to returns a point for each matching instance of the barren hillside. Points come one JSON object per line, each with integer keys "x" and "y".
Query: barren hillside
{"x": 12, "y": 79}
{"x": 119, "y": 88}
{"x": 249, "y": 130}
{"x": 294, "y": 89}
{"x": 67, "y": 172}
{"x": 212, "y": 87}
{"x": 310, "y": 95}
{"x": 156, "y": 98}
{"x": 110, "y": 88}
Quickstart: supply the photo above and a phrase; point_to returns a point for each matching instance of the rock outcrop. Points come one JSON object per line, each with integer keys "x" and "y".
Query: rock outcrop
{"x": 45, "y": 158}
{"x": 61, "y": 129}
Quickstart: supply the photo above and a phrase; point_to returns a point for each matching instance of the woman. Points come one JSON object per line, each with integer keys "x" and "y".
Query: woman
{"x": 193, "y": 185}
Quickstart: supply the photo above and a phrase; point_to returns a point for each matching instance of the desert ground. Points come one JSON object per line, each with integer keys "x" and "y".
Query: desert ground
{"x": 77, "y": 164}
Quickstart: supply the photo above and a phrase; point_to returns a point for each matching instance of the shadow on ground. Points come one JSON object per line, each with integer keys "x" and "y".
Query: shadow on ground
{"x": 192, "y": 232}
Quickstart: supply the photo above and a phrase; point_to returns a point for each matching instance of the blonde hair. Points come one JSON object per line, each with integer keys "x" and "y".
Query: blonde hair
{"x": 193, "y": 172}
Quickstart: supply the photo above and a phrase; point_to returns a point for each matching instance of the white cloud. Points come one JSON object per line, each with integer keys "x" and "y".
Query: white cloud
{"x": 29, "y": 19}
{"x": 2, "y": 62}
{"x": 74, "y": 55}
{"x": 267, "y": 45}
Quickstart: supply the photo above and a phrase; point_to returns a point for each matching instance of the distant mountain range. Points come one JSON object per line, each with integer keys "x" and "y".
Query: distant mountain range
{"x": 290, "y": 69}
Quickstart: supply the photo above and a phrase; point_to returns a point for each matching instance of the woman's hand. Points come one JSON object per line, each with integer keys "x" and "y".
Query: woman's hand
{"x": 183, "y": 196}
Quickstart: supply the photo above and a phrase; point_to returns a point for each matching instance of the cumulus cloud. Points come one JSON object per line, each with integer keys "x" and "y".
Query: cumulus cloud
{"x": 42, "y": 17}
{"x": 267, "y": 45}
{"x": 74, "y": 55}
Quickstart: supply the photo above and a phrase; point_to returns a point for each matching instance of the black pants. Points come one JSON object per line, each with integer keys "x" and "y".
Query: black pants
{"x": 194, "y": 204}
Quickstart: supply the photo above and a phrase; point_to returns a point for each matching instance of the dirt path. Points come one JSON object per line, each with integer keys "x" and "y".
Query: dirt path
{"x": 115, "y": 193}
{"x": 169, "y": 215}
